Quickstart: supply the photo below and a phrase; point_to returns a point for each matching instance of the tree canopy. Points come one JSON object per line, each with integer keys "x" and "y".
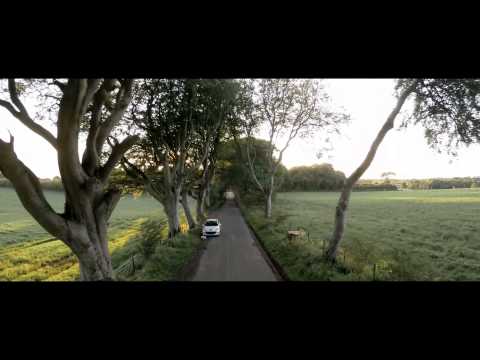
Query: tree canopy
{"x": 448, "y": 109}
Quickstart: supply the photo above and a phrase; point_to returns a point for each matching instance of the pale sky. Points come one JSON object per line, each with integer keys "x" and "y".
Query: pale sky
{"x": 405, "y": 151}
{"x": 368, "y": 101}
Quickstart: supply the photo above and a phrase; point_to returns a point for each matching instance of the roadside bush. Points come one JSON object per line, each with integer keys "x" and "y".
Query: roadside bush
{"x": 217, "y": 195}
{"x": 169, "y": 257}
{"x": 150, "y": 236}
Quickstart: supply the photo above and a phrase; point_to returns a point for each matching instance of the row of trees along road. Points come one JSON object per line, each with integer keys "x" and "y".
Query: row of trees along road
{"x": 180, "y": 124}
{"x": 233, "y": 169}
{"x": 165, "y": 134}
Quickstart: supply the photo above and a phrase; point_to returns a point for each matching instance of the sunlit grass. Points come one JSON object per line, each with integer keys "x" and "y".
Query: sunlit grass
{"x": 27, "y": 252}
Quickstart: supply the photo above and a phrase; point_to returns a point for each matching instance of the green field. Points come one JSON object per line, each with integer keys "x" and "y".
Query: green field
{"x": 27, "y": 252}
{"x": 409, "y": 235}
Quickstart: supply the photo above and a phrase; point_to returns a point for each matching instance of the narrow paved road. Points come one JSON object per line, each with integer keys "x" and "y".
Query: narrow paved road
{"x": 234, "y": 255}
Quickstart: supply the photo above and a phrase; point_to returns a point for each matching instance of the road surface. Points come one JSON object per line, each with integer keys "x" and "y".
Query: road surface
{"x": 234, "y": 255}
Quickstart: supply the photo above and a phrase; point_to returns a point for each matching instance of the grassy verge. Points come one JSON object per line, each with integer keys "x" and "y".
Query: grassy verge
{"x": 51, "y": 260}
{"x": 152, "y": 256}
{"x": 28, "y": 253}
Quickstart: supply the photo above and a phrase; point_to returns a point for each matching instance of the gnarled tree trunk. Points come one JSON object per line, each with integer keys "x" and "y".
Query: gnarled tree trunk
{"x": 342, "y": 206}
{"x": 186, "y": 209}
{"x": 171, "y": 209}
{"x": 207, "y": 196}
{"x": 86, "y": 235}
{"x": 169, "y": 199}
{"x": 201, "y": 213}
{"x": 88, "y": 202}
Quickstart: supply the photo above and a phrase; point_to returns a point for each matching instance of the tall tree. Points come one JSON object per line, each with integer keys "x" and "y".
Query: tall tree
{"x": 448, "y": 109}
{"x": 289, "y": 108}
{"x": 221, "y": 98}
{"x": 163, "y": 112}
{"x": 342, "y": 206}
{"x": 97, "y": 105}
{"x": 179, "y": 120}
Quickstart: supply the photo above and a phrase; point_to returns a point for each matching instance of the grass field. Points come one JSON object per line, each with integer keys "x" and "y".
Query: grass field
{"x": 409, "y": 235}
{"x": 27, "y": 252}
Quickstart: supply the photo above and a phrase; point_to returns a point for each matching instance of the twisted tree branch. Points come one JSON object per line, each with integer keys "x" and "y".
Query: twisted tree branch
{"x": 22, "y": 114}
{"x": 118, "y": 151}
{"x": 29, "y": 191}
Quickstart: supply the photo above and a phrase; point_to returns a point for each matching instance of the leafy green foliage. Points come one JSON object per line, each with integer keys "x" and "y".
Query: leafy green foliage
{"x": 150, "y": 236}
{"x": 155, "y": 256}
{"x": 169, "y": 258}
{"x": 448, "y": 109}
{"x": 232, "y": 167}
{"x": 313, "y": 178}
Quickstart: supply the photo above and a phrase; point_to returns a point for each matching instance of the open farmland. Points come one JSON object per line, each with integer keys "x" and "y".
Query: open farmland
{"x": 27, "y": 252}
{"x": 408, "y": 235}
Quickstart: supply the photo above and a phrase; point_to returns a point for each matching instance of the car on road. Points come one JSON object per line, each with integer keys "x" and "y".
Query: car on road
{"x": 211, "y": 227}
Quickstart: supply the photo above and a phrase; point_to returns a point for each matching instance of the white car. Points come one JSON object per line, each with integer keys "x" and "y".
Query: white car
{"x": 211, "y": 227}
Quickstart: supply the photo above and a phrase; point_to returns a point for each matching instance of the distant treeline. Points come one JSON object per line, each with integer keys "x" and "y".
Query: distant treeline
{"x": 317, "y": 177}
{"x": 453, "y": 183}
{"x": 426, "y": 184}
{"x": 375, "y": 187}
{"x": 323, "y": 177}
{"x": 54, "y": 184}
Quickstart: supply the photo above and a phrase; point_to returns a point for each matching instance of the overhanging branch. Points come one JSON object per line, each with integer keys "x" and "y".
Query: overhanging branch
{"x": 23, "y": 116}
{"x": 29, "y": 191}
{"x": 118, "y": 151}
{"x": 123, "y": 99}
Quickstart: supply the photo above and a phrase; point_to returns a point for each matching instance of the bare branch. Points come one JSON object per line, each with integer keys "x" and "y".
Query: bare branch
{"x": 29, "y": 191}
{"x": 252, "y": 170}
{"x": 23, "y": 116}
{"x": 68, "y": 127}
{"x": 90, "y": 160}
{"x": 388, "y": 125}
{"x": 107, "y": 205}
{"x": 7, "y": 105}
{"x": 12, "y": 89}
{"x": 133, "y": 171}
{"x": 123, "y": 99}
{"x": 60, "y": 85}
{"x": 92, "y": 88}
{"x": 118, "y": 151}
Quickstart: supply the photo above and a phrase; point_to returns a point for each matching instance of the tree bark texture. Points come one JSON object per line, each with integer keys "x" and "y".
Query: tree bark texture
{"x": 201, "y": 212}
{"x": 186, "y": 208}
{"x": 89, "y": 202}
